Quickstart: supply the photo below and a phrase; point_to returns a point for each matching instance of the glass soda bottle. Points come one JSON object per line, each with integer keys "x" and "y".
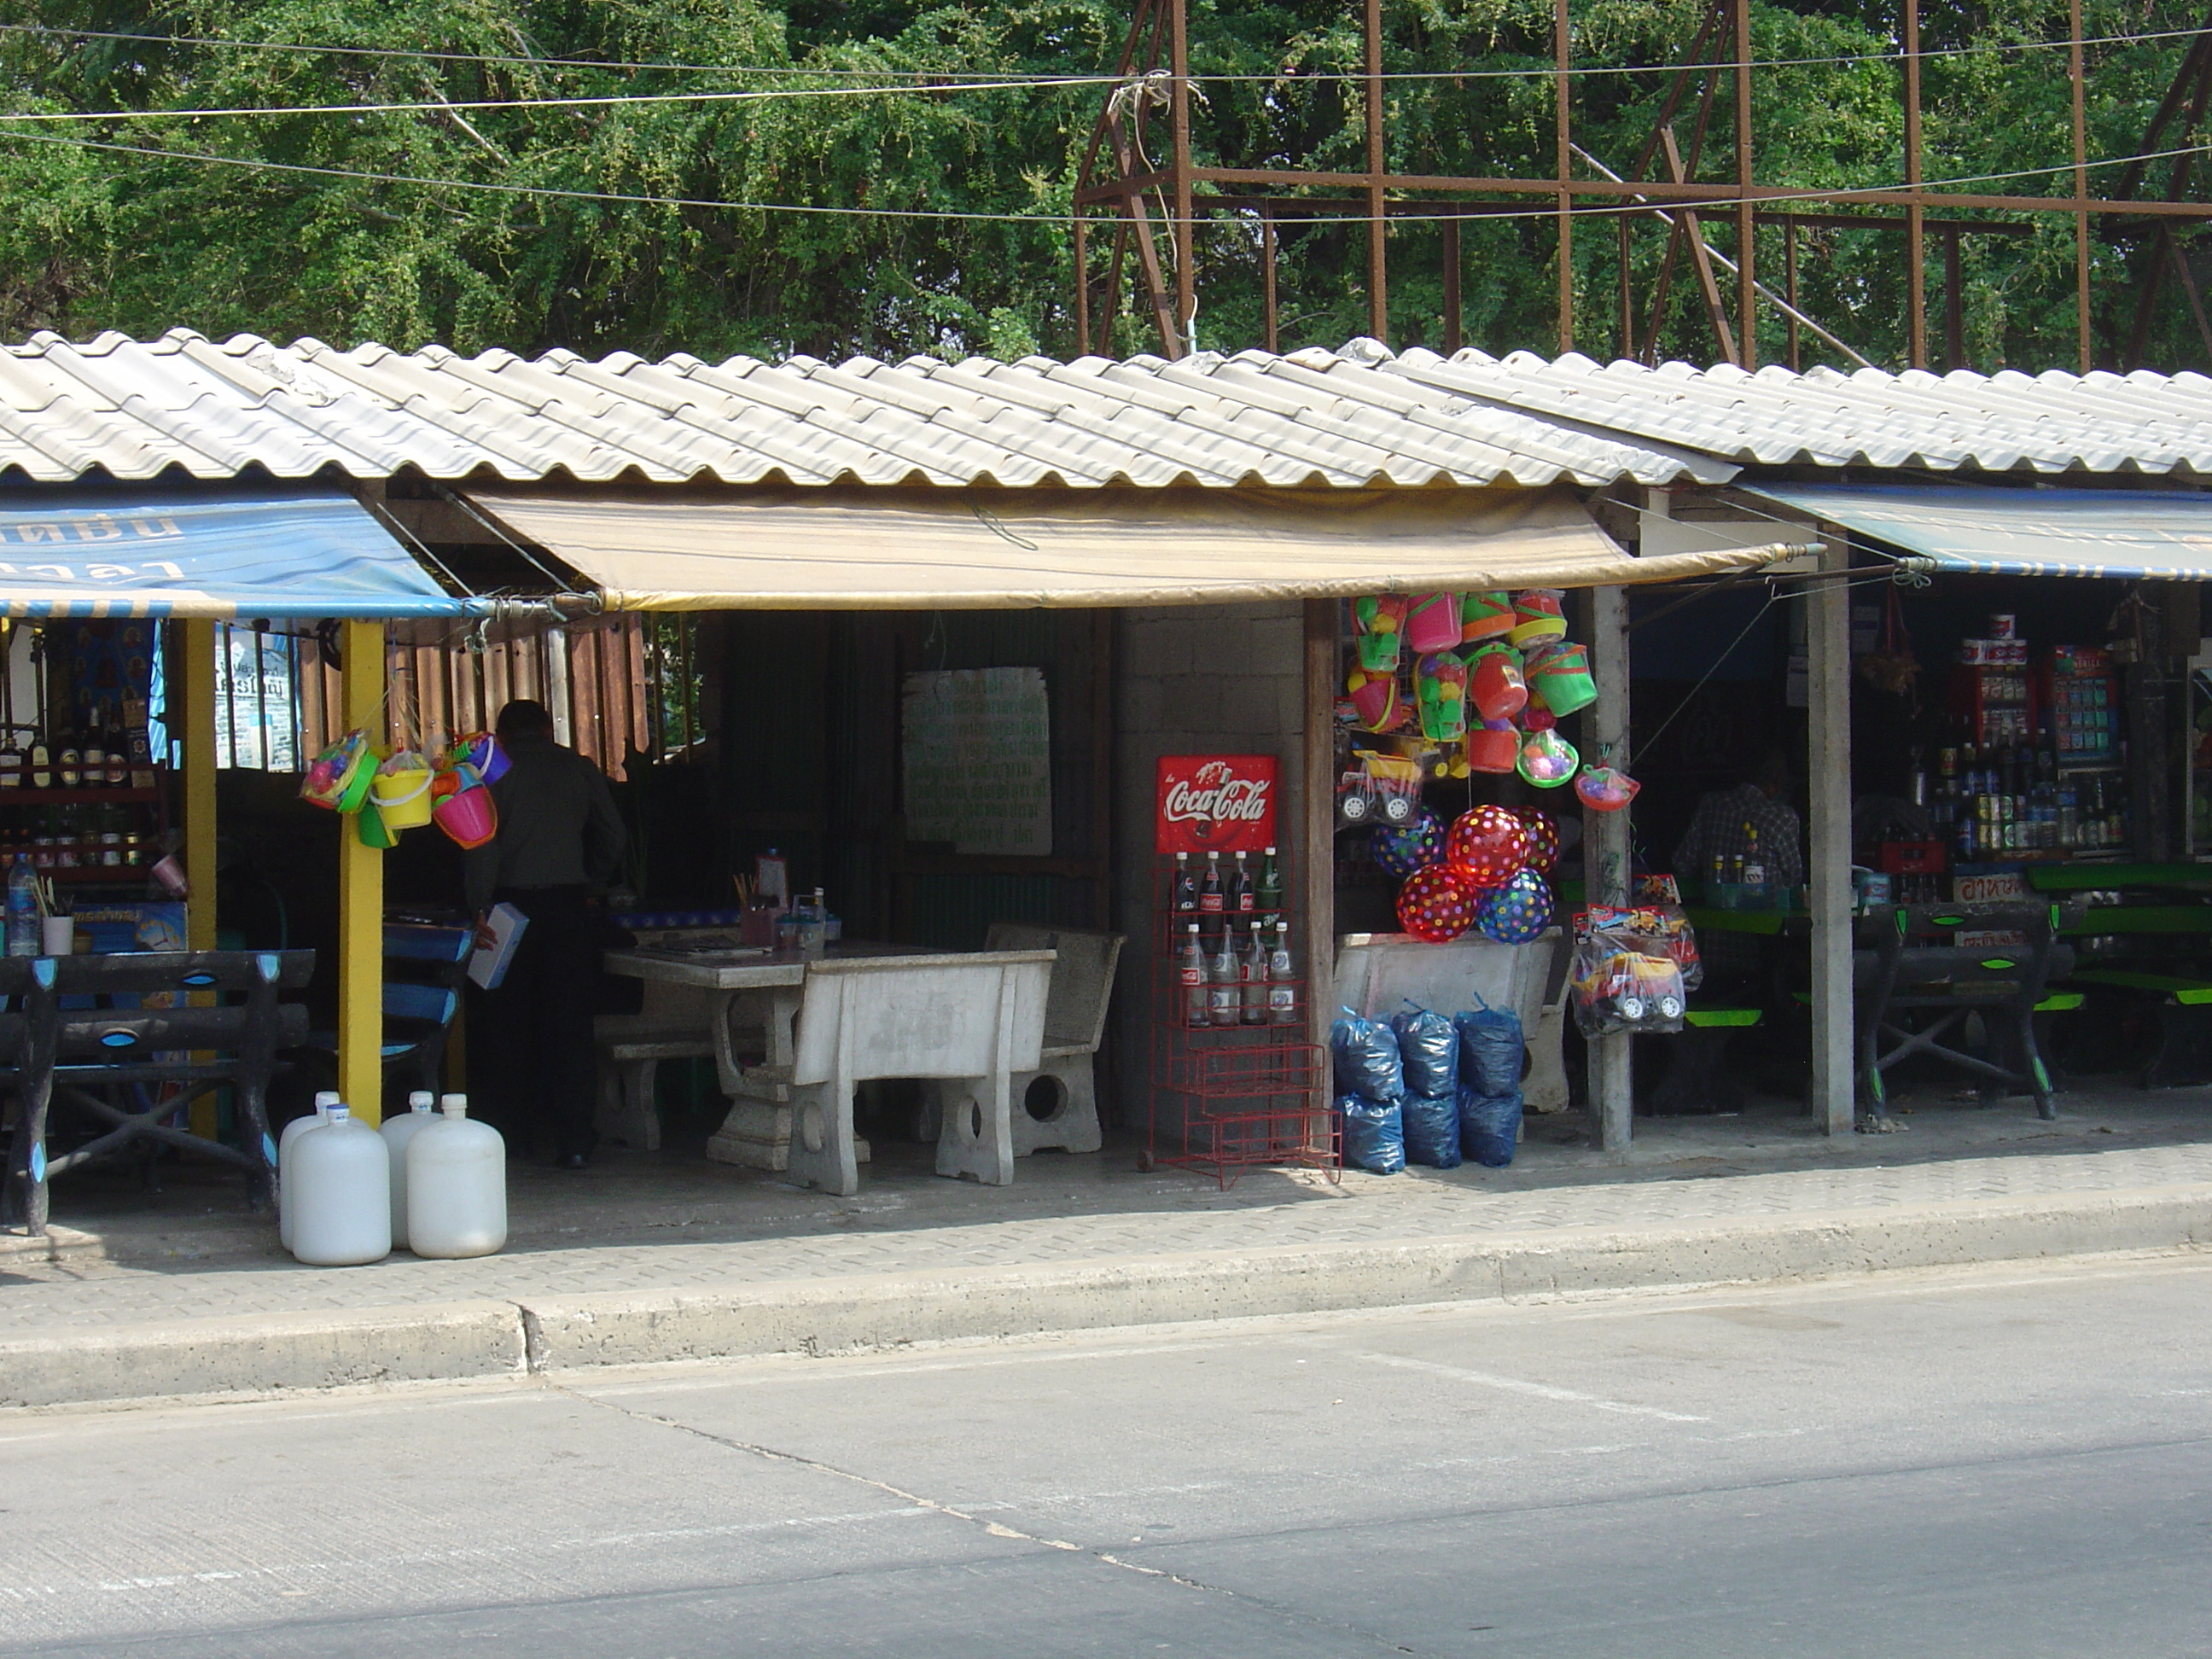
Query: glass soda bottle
{"x": 1241, "y": 896}
{"x": 1190, "y": 971}
{"x": 1223, "y": 999}
{"x": 1253, "y": 978}
{"x": 1210, "y": 894}
{"x": 1185, "y": 892}
{"x": 1269, "y": 899}
{"x": 1282, "y": 975}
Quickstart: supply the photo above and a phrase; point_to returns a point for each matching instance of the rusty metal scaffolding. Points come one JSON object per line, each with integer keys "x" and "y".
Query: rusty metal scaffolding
{"x": 1139, "y": 202}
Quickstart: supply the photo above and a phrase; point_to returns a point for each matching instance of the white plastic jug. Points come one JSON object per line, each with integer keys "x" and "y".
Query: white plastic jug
{"x": 341, "y": 1194}
{"x": 298, "y": 1126}
{"x": 456, "y": 1185}
{"x": 398, "y": 1129}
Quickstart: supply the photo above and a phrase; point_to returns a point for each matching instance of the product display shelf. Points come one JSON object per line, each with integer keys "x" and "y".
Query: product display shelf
{"x": 1226, "y": 1098}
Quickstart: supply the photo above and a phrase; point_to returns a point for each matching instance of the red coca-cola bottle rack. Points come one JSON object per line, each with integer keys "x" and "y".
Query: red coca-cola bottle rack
{"x": 1233, "y": 1092}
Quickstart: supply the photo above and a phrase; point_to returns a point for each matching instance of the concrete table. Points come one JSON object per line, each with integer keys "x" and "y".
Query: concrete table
{"x": 753, "y": 989}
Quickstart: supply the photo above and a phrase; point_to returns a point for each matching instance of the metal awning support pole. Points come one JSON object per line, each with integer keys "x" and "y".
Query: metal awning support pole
{"x": 1828, "y": 861}
{"x": 1604, "y": 846}
{"x": 198, "y": 728}
{"x": 1313, "y": 869}
{"x": 361, "y": 900}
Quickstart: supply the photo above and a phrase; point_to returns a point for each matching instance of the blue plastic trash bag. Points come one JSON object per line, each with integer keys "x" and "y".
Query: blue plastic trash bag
{"x": 1489, "y": 1126}
{"x": 1432, "y": 1131}
{"x": 1374, "y": 1135}
{"x": 1366, "y": 1059}
{"x": 1490, "y": 1050}
{"x": 1428, "y": 1050}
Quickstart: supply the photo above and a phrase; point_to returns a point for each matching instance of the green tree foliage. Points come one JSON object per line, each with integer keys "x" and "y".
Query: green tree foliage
{"x": 149, "y": 234}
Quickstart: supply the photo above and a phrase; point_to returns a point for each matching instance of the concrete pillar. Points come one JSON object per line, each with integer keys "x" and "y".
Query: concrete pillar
{"x": 1605, "y": 850}
{"x": 361, "y": 901}
{"x": 1828, "y": 857}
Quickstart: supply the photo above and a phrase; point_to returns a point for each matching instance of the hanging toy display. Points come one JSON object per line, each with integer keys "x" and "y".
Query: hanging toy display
{"x": 1493, "y": 747}
{"x": 1436, "y": 904}
{"x": 1374, "y": 705}
{"x": 1517, "y": 912}
{"x": 1485, "y": 617}
{"x": 1487, "y": 845}
{"x": 1432, "y": 623}
{"x": 1543, "y": 839}
{"x": 1440, "y": 689}
{"x": 1606, "y": 788}
{"x": 1495, "y": 685}
{"x": 1538, "y": 614}
{"x": 1546, "y": 759}
{"x": 1380, "y": 621}
{"x": 1399, "y": 849}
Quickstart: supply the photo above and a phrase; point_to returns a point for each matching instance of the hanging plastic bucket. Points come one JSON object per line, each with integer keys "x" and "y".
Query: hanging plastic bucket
{"x": 1494, "y": 746}
{"x": 1562, "y": 677}
{"x": 1432, "y": 623}
{"x": 373, "y": 832}
{"x": 484, "y": 751}
{"x": 1494, "y": 686}
{"x": 402, "y": 792}
{"x": 1539, "y": 615}
{"x": 340, "y": 777}
{"x": 1485, "y": 617}
{"x": 466, "y": 812}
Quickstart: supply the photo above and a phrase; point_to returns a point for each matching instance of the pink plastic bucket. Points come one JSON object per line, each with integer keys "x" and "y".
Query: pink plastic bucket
{"x": 467, "y": 814}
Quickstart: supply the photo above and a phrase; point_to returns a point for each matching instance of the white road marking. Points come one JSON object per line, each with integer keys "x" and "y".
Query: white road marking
{"x": 1519, "y": 1385}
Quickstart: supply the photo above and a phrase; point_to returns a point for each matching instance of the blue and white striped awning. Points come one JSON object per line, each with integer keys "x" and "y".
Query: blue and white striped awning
{"x": 282, "y": 552}
{"x": 1982, "y": 530}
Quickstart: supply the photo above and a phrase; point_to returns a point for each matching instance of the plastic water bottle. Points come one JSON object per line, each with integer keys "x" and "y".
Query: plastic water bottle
{"x": 299, "y": 1126}
{"x": 22, "y": 908}
{"x": 456, "y": 1185}
{"x": 341, "y": 1189}
{"x": 398, "y": 1129}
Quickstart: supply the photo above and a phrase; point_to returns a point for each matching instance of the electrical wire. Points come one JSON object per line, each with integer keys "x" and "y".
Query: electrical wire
{"x": 1235, "y": 221}
{"x": 446, "y": 106}
{"x": 518, "y": 60}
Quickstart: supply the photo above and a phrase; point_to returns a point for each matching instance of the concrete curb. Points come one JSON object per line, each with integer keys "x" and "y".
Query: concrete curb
{"x": 270, "y": 1352}
{"x": 262, "y": 1354}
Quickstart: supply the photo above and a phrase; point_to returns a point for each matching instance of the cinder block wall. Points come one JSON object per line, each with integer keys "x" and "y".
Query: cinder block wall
{"x": 1196, "y": 679}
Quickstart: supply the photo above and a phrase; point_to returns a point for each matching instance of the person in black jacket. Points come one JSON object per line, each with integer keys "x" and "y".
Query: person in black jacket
{"x": 560, "y": 842}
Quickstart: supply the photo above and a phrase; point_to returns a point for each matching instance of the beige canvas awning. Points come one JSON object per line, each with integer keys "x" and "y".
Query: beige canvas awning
{"x": 923, "y": 548}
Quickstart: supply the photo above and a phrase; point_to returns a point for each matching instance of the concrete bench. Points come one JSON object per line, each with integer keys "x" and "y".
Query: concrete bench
{"x": 1074, "y": 1024}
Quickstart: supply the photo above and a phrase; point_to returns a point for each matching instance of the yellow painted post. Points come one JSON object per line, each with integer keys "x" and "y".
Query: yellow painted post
{"x": 361, "y": 901}
{"x": 198, "y": 676}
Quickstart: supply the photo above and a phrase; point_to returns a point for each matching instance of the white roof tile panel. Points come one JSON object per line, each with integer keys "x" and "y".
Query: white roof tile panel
{"x": 1349, "y": 418}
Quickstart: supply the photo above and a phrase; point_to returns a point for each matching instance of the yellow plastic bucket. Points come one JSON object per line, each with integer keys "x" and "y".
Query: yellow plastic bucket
{"x": 402, "y": 792}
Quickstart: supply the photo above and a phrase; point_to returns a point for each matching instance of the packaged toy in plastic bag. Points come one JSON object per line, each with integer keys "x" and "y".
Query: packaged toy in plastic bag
{"x": 1489, "y": 1126}
{"x": 1622, "y": 979}
{"x": 1365, "y": 1057}
{"x": 1428, "y": 1051}
{"x": 1432, "y": 1129}
{"x": 1490, "y": 1049}
{"x": 1374, "y": 1134}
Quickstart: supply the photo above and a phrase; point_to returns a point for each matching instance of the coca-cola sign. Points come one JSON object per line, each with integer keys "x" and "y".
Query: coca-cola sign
{"x": 1215, "y": 803}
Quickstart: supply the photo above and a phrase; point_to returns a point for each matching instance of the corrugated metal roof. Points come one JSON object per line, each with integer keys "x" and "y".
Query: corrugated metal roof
{"x": 2050, "y": 423}
{"x": 131, "y": 410}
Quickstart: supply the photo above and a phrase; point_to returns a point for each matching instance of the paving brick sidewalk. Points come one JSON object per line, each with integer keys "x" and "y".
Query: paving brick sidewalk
{"x": 917, "y": 1226}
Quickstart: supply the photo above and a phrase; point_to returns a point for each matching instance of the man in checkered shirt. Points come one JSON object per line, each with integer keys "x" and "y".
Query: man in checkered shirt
{"x": 1725, "y": 827}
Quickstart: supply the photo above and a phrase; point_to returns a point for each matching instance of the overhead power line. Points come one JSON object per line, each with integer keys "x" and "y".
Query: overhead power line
{"x": 1543, "y": 72}
{"x": 1764, "y": 199}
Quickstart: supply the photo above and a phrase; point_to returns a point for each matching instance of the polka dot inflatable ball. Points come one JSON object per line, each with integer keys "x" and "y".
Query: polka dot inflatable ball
{"x": 1435, "y": 905}
{"x": 1402, "y": 849}
{"x": 1487, "y": 845}
{"x": 1543, "y": 839}
{"x": 1517, "y": 912}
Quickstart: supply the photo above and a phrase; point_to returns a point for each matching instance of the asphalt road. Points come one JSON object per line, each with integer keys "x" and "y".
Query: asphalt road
{"x": 2013, "y": 1462}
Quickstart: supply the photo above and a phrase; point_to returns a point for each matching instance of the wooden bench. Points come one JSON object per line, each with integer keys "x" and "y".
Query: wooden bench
{"x": 83, "y": 1056}
{"x": 2183, "y": 1055}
